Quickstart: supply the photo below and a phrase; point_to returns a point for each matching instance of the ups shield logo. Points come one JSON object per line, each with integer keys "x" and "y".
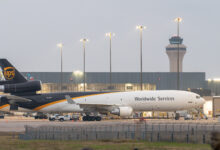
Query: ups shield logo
{"x": 9, "y": 73}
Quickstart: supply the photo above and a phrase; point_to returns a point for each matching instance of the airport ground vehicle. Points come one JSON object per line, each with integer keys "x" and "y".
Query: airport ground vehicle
{"x": 64, "y": 118}
{"x": 23, "y": 95}
{"x": 2, "y": 116}
{"x": 188, "y": 117}
{"x": 53, "y": 117}
{"x": 75, "y": 117}
{"x": 41, "y": 116}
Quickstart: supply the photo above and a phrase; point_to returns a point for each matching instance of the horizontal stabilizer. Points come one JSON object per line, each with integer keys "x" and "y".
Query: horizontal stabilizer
{"x": 16, "y": 99}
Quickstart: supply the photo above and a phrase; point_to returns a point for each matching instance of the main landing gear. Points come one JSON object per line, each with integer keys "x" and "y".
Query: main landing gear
{"x": 92, "y": 118}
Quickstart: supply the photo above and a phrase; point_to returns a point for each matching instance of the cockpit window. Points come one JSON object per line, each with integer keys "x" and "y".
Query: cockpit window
{"x": 198, "y": 97}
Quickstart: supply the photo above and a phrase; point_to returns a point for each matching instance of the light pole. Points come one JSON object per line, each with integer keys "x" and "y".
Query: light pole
{"x": 84, "y": 40}
{"x": 178, "y": 20}
{"x": 110, "y": 35}
{"x": 141, "y": 28}
{"x": 60, "y": 45}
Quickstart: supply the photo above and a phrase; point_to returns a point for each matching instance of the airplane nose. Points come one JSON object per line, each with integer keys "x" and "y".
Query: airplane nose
{"x": 202, "y": 101}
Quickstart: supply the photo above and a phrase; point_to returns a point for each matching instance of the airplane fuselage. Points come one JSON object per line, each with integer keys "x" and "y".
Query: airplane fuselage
{"x": 167, "y": 100}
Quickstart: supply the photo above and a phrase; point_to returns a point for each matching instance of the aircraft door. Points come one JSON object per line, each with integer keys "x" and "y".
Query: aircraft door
{"x": 191, "y": 101}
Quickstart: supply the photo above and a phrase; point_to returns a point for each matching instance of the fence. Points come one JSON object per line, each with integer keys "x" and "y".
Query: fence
{"x": 189, "y": 133}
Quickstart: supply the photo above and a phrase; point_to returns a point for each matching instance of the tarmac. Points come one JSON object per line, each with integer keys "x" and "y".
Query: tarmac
{"x": 17, "y": 124}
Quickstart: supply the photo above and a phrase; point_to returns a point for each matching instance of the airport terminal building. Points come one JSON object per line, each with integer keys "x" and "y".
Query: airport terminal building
{"x": 123, "y": 81}
{"x": 130, "y": 81}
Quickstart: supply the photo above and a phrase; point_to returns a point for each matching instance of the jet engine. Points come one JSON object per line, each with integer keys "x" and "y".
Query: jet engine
{"x": 122, "y": 111}
{"x": 29, "y": 86}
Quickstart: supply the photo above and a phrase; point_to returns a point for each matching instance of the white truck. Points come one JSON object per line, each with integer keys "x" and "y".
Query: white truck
{"x": 54, "y": 117}
{"x": 64, "y": 118}
{"x": 60, "y": 117}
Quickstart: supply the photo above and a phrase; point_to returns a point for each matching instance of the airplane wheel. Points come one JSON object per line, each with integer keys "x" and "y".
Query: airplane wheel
{"x": 52, "y": 119}
{"x": 89, "y": 118}
{"x": 61, "y": 120}
{"x": 177, "y": 117}
{"x": 85, "y": 118}
{"x": 92, "y": 118}
{"x": 98, "y": 118}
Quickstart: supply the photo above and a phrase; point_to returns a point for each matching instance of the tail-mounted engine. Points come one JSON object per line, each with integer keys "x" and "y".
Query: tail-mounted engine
{"x": 25, "y": 87}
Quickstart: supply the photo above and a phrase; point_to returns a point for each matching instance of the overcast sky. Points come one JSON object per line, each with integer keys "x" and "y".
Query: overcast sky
{"x": 30, "y": 30}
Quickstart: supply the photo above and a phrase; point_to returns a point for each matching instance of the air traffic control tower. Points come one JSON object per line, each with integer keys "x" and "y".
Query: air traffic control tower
{"x": 172, "y": 52}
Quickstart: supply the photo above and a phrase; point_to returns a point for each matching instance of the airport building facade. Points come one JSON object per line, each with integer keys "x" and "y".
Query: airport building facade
{"x": 121, "y": 81}
{"x": 214, "y": 86}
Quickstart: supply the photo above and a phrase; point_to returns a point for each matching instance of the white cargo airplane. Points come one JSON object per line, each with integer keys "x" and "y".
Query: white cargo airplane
{"x": 119, "y": 103}
{"x": 24, "y": 98}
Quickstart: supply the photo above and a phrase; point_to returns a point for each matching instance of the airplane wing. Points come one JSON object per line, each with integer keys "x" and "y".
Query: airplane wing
{"x": 90, "y": 107}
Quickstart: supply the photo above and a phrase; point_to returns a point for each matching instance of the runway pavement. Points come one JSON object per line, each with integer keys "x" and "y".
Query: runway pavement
{"x": 13, "y": 124}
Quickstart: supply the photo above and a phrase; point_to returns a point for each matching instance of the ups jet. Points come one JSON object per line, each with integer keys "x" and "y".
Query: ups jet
{"x": 23, "y": 96}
